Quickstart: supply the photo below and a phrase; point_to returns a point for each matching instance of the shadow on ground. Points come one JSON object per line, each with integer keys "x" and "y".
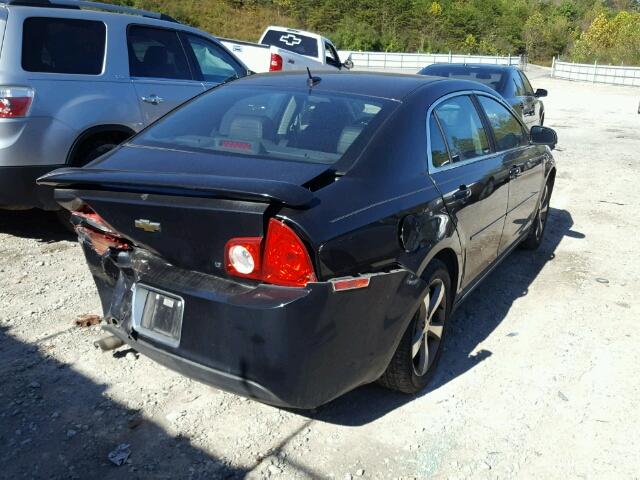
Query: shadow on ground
{"x": 56, "y": 423}
{"x": 44, "y": 226}
{"x": 473, "y": 322}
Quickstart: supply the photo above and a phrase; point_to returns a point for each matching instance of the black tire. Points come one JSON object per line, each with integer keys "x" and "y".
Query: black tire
{"x": 404, "y": 373}
{"x": 536, "y": 232}
{"x": 96, "y": 147}
{"x": 94, "y": 152}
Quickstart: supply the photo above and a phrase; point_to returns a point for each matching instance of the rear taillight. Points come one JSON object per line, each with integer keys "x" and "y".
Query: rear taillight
{"x": 286, "y": 260}
{"x": 276, "y": 63}
{"x": 15, "y": 102}
{"x": 243, "y": 257}
{"x": 92, "y": 228}
{"x": 279, "y": 259}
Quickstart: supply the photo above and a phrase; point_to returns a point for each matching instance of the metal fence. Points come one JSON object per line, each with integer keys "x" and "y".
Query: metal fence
{"x": 611, "y": 74}
{"x": 412, "y": 62}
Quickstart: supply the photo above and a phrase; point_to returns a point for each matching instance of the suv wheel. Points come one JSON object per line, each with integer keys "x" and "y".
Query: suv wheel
{"x": 97, "y": 146}
{"x": 98, "y": 151}
{"x": 419, "y": 351}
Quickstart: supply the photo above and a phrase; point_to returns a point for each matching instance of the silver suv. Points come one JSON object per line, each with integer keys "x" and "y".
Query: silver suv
{"x": 78, "y": 78}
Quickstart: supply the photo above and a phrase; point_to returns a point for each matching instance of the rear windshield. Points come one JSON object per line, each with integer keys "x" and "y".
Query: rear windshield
{"x": 267, "y": 122}
{"x": 61, "y": 45}
{"x": 294, "y": 42}
{"x": 491, "y": 77}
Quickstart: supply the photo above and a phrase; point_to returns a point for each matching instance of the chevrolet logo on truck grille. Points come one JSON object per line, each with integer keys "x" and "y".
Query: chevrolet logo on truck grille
{"x": 147, "y": 226}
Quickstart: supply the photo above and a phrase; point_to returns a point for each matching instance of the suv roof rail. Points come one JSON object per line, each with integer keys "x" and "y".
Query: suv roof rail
{"x": 82, "y": 4}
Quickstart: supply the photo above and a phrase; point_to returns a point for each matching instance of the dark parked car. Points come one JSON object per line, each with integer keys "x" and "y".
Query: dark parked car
{"x": 508, "y": 81}
{"x": 291, "y": 238}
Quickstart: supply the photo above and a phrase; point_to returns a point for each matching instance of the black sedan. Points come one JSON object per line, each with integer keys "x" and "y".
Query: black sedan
{"x": 290, "y": 238}
{"x": 508, "y": 81}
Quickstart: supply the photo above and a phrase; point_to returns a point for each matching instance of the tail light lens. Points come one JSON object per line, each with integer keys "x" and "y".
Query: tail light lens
{"x": 243, "y": 257}
{"x": 15, "y": 102}
{"x": 92, "y": 228}
{"x": 276, "y": 63}
{"x": 286, "y": 260}
{"x": 279, "y": 259}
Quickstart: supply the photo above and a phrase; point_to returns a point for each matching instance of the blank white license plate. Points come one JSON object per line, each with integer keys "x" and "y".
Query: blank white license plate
{"x": 157, "y": 314}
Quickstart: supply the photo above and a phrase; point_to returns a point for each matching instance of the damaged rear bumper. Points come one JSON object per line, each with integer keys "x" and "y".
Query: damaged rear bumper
{"x": 292, "y": 347}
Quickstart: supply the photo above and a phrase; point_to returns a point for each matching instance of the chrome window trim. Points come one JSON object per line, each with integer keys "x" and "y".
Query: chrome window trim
{"x": 431, "y": 167}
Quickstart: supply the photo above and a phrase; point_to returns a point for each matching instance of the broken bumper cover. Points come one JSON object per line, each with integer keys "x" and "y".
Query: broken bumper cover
{"x": 292, "y": 347}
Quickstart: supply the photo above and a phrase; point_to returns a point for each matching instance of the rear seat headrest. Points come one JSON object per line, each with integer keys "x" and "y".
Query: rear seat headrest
{"x": 348, "y": 136}
{"x": 250, "y": 127}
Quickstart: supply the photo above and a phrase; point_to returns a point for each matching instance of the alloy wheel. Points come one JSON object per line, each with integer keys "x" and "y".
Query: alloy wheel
{"x": 427, "y": 334}
{"x": 543, "y": 212}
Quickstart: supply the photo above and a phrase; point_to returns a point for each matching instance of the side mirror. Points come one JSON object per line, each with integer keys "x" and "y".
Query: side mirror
{"x": 543, "y": 136}
{"x": 348, "y": 63}
{"x": 541, "y": 92}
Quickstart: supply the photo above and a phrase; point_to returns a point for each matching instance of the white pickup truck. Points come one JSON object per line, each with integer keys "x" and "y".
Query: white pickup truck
{"x": 283, "y": 48}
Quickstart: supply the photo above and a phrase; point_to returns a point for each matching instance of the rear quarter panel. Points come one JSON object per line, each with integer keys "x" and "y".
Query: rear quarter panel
{"x": 385, "y": 213}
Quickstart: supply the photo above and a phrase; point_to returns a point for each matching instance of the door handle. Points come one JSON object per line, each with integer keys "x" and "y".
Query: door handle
{"x": 153, "y": 99}
{"x": 463, "y": 193}
{"x": 514, "y": 171}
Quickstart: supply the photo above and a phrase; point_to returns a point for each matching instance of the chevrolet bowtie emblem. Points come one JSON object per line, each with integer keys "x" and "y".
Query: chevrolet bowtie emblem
{"x": 147, "y": 225}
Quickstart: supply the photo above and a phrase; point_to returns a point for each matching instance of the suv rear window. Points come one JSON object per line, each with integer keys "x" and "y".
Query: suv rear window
{"x": 293, "y": 42}
{"x": 270, "y": 123}
{"x": 60, "y": 45}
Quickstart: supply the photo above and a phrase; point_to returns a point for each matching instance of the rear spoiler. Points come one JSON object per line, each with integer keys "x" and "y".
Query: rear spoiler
{"x": 235, "y": 188}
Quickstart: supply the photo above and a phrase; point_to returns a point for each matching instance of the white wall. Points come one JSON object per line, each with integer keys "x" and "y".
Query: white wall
{"x": 412, "y": 62}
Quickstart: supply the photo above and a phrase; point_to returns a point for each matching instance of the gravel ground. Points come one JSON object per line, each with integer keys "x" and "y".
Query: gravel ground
{"x": 540, "y": 379}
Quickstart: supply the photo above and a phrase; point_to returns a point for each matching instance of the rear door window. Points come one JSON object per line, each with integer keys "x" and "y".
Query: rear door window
{"x": 463, "y": 129}
{"x": 518, "y": 85}
{"x": 156, "y": 53}
{"x": 214, "y": 63}
{"x": 294, "y": 42}
{"x": 60, "y": 45}
{"x": 507, "y": 130}
{"x": 439, "y": 152}
{"x": 527, "y": 86}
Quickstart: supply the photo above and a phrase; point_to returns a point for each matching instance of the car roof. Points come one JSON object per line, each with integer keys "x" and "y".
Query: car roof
{"x": 393, "y": 86}
{"x": 80, "y": 8}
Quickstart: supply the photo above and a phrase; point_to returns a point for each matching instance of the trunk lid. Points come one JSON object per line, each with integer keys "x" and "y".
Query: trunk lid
{"x": 187, "y": 217}
{"x": 189, "y": 232}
